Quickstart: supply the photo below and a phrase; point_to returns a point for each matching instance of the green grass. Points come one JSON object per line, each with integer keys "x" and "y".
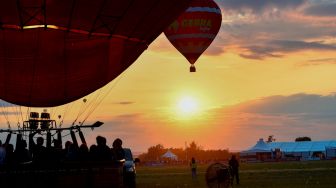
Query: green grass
{"x": 314, "y": 174}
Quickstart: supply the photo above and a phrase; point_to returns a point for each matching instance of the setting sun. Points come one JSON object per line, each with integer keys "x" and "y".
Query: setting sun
{"x": 188, "y": 105}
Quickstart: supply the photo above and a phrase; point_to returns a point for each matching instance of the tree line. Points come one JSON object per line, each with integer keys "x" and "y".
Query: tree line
{"x": 154, "y": 153}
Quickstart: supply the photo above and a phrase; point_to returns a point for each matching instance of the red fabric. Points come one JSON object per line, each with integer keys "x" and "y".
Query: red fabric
{"x": 193, "y": 31}
{"x": 95, "y": 43}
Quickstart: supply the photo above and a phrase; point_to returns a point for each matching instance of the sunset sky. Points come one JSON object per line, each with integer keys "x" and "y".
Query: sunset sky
{"x": 270, "y": 71}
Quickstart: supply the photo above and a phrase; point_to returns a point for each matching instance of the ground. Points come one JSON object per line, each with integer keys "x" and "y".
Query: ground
{"x": 319, "y": 174}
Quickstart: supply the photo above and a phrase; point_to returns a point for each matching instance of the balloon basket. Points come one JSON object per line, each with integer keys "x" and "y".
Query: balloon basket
{"x": 192, "y": 69}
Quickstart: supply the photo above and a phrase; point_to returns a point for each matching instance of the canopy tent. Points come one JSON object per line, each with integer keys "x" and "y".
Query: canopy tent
{"x": 260, "y": 147}
{"x": 331, "y": 152}
{"x": 169, "y": 155}
{"x": 304, "y": 150}
{"x": 304, "y": 146}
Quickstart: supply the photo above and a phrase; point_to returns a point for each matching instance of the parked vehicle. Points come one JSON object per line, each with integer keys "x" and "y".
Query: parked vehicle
{"x": 129, "y": 169}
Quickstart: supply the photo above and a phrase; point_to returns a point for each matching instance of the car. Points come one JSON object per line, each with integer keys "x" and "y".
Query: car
{"x": 129, "y": 169}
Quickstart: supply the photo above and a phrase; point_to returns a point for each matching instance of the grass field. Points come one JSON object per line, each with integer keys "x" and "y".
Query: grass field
{"x": 317, "y": 174}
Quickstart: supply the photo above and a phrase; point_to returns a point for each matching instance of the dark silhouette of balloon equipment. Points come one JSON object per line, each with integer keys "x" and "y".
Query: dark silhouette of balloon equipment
{"x": 195, "y": 29}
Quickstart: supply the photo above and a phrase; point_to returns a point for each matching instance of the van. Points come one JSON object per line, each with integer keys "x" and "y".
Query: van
{"x": 129, "y": 169}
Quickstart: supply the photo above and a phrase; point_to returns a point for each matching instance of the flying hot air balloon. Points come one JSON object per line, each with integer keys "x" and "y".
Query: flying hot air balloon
{"x": 56, "y": 51}
{"x": 194, "y": 30}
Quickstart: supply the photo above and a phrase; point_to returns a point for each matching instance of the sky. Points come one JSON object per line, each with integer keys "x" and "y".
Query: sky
{"x": 270, "y": 71}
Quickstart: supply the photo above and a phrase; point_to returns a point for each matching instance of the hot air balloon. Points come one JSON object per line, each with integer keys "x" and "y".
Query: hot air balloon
{"x": 194, "y": 30}
{"x": 56, "y": 51}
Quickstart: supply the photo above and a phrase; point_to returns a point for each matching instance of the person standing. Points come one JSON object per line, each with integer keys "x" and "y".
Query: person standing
{"x": 39, "y": 152}
{"x": 118, "y": 152}
{"x": 103, "y": 151}
{"x": 193, "y": 167}
{"x": 21, "y": 153}
{"x": 234, "y": 166}
{"x": 2, "y": 153}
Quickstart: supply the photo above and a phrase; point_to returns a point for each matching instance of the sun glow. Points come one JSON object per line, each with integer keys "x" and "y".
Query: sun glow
{"x": 188, "y": 106}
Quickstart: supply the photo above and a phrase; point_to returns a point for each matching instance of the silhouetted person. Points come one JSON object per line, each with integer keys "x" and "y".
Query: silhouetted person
{"x": 66, "y": 146}
{"x": 93, "y": 152}
{"x": 118, "y": 152}
{"x": 83, "y": 153}
{"x": 234, "y": 166}
{"x": 72, "y": 153}
{"x": 2, "y": 153}
{"x": 57, "y": 154}
{"x": 118, "y": 155}
{"x": 103, "y": 151}
{"x": 9, "y": 159}
{"x": 193, "y": 167}
{"x": 21, "y": 152}
{"x": 39, "y": 152}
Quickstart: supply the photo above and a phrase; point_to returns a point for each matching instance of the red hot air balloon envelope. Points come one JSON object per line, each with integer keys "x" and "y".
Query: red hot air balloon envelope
{"x": 56, "y": 51}
{"x": 195, "y": 29}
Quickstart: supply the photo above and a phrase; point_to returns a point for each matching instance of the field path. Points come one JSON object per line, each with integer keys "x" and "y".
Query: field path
{"x": 287, "y": 170}
{"x": 242, "y": 171}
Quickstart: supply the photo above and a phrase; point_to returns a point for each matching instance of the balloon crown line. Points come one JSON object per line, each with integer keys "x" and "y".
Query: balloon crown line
{"x": 78, "y": 31}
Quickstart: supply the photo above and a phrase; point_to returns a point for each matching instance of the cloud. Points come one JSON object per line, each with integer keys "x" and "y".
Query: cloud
{"x": 259, "y": 5}
{"x": 123, "y": 124}
{"x": 124, "y": 102}
{"x": 278, "y": 48}
{"x": 272, "y": 28}
{"x": 323, "y": 60}
{"x": 318, "y": 62}
{"x": 286, "y": 45}
{"x": 276, "y": 37}
{"x": 294, "y": 104}
{"x": 307, "y": 109}
{"x": 325, "y": 8}
{"x": 259, "y": 52}
{"x": 286, "y": 117}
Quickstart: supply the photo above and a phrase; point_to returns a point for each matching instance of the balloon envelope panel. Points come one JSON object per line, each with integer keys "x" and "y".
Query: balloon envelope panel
{"x": 195, "y": 29}
{"x": 61, "y": 50}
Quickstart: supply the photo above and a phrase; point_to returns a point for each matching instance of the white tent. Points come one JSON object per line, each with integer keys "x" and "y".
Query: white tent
{"x": 306, "y": 149}
{"x": 169, "y": 155}
{"x": 260, "y": 147}
{"x": 303, "y": 146}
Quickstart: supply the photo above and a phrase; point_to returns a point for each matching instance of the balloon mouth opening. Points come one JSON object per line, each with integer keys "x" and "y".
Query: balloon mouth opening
{"x": 192, "y": 68}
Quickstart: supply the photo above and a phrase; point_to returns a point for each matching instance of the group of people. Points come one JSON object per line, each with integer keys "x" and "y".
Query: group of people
{"x": 10, "y": 156}
{"x": 38, "y": 153}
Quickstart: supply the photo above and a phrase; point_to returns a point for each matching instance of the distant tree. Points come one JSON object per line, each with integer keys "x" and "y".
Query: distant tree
{"x": 270, "y": 139}
{"x": 193, "y": 149}
{"x": 304, "y": 138}
{"x": 155, "y": 152}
